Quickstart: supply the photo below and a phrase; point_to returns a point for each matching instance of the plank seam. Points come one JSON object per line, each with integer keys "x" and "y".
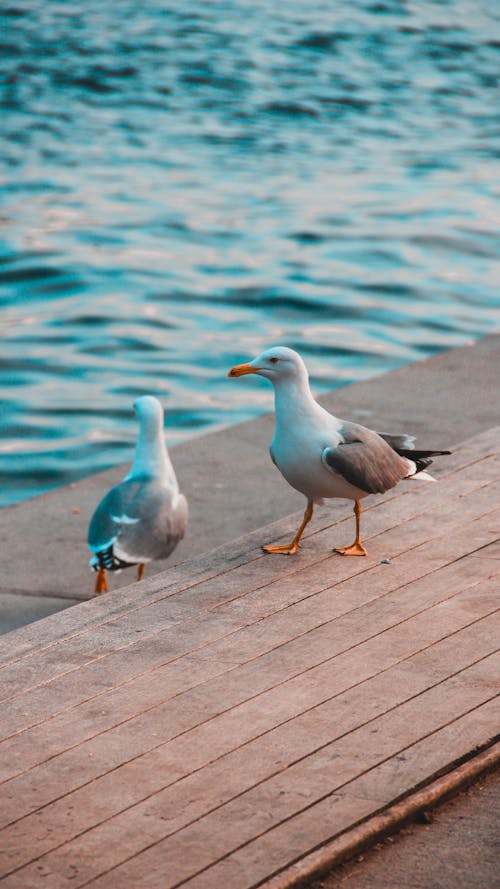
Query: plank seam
{"x": 267, "y": 731}
{"x": 364, "y": 834}
{"x": 279, "y": 771}
{"x": 288, "y": 818}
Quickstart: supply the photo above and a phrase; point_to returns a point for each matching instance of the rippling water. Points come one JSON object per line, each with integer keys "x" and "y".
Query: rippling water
{"x": 184, "y": 184}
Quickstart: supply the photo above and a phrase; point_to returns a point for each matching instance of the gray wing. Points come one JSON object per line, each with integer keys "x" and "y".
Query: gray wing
{"x": 365, "y": 460}
{"x": 104, "y": 527}
{"x": 142, "y": 520}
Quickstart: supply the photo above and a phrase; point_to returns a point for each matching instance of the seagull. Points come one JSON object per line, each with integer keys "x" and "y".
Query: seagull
{"x": 145, "y": 516}
{"x": 325, "y": 457}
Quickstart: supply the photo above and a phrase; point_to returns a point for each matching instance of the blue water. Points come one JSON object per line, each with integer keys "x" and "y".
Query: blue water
{"x": 184, "y": 184}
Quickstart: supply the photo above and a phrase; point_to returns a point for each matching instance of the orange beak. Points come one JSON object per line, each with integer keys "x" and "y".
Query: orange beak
{"x": 239, "y": 370}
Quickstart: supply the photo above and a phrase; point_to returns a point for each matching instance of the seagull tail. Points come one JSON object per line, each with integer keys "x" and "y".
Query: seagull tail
{"x": 422, "y": 476}
{"x": 107, "y": 560}
{"x": 420, "y": 456}
{"x": 419, "y": 461}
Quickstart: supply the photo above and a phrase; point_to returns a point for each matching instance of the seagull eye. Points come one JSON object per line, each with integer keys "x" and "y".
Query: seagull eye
{"x": 273, "y": 360}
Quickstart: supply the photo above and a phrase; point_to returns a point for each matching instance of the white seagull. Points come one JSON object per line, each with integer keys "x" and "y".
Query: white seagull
{"x": 322, "y": 456}
{"x": 145, "y": 516}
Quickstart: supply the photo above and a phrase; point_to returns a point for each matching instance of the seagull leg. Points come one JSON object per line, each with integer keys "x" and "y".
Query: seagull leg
{"x": 101, "y": 585}
{"x": 290, "y": 549}
{"x": 356, "y": 548}
{"x": 140, "y": 571}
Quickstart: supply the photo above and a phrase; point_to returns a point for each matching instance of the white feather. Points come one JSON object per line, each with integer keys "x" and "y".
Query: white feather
{"x": 124, "y": 520}
{"x": 423, "y": 476}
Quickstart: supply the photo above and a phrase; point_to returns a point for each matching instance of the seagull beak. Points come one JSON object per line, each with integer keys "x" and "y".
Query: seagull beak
{"x": 239, "y": 370}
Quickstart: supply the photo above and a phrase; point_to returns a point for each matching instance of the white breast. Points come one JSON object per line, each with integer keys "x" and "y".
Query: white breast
{"x": 297, "y": 448}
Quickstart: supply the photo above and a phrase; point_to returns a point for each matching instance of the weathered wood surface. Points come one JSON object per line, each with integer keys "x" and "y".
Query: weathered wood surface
{"x": 212, "y": 725}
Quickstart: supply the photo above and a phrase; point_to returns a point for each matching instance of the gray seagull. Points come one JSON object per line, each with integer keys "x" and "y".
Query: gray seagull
{"x": 322, "y": 456}
{"x": 145, "y": 516}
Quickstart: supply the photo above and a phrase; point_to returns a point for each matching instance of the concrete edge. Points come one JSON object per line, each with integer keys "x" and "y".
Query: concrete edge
{"x": 365, "y": 834}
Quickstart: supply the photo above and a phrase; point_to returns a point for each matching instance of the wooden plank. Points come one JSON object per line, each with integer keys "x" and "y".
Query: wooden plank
{"x": 429, "y": 757}
{"x": 103, "y": 643}
{"x": 236, "y": 771}
{"x": 106, "y": 679}
{"x": 24, "y": 750}
{"x": 273, "y": 689}
{"x": 248, "y": 867}
{"x": 300, "y": 787}
{"x": 197, "y": 570}
{"x": 209, "y": 738}
{"x": 492, "y": 551}
{"x": 65, "y": 691}
{"x": 57, "y": 663}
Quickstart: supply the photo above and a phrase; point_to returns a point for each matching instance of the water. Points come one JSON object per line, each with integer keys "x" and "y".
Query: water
{"x": 184, "y": 184}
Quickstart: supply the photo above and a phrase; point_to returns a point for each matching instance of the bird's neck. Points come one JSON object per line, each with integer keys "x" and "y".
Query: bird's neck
{"x": 151, "y": 457}
{"x": 292, "y": 398}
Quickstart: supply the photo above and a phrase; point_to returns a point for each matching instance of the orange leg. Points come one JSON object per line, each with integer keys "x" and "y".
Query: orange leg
{"x": 140, "y": 571}
{"x": 101, "y": 584}
{"x": 290, "y": 549}
{"x": 356, "y": 548}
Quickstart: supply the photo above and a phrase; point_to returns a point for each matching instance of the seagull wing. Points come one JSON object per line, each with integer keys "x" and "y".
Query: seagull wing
{"x": 153, "y": 524}
{"x": 114, "y": 511}
{"x": 140, "y": 519}
{"x": 365, "y": 460}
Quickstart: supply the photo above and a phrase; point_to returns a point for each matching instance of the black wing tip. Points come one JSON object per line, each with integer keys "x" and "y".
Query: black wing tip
{"x": 421, "y": 459}
{"x": 420, "y": 455}
{"x": 107, "y": 561}
{"x": 422, "y": 464}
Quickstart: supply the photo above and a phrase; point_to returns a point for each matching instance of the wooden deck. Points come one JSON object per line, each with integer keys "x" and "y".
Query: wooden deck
{"x": 213, "y": 725}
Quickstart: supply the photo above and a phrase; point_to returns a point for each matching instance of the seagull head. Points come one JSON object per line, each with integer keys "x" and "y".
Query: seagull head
{"x": 149, "y": 412}
{"x": 276, "y": 364}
